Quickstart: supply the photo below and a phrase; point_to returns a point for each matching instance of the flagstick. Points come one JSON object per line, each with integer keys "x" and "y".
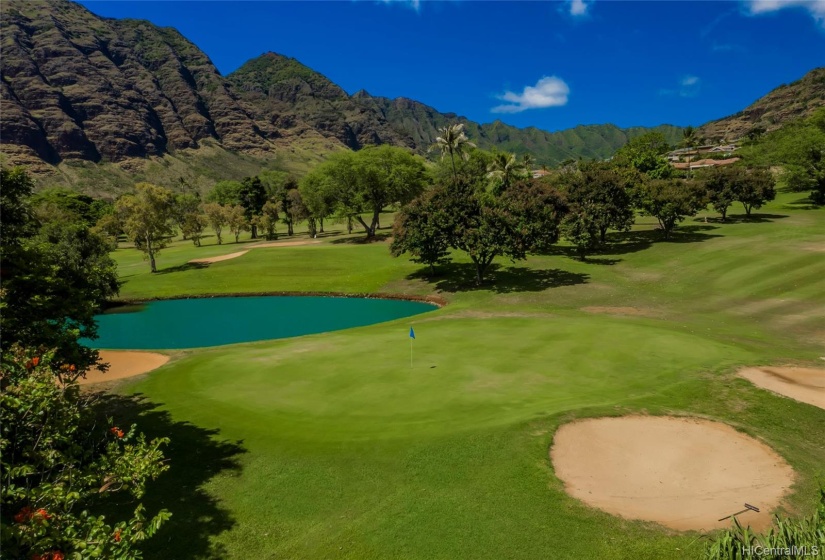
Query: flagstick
{"x": 411, "y": 342}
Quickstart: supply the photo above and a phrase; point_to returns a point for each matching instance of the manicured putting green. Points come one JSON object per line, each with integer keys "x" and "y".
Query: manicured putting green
{"x": 199, "y": 322}
{"x": 358, "y": 384}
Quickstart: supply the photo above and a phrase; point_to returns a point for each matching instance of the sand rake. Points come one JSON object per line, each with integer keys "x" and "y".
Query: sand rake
{"x": 748, "y": 507}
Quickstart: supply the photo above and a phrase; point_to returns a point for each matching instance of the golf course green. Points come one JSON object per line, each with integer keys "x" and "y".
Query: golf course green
{"x": 336, "y": 445}
{"x": 175, "y": 324}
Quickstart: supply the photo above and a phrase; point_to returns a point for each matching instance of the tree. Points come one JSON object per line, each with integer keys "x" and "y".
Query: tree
{"x": 146, "y": 216}
{"x": 60, "y": 460}
{"x": 670, "y": 201}
{"x": 252, "y": 198}
{"x": 453, "y": 142}
{"x": 226, "y": 193}
{"x": 421, "y": 229}
{"x": 269, "y": 219}
{"x": 386, "y": 175}
{"x": 193, "y": 227}
{"x": 236, "y": 220}
{"x": 55, "y": 277}
{"x": 504, "y": 169}
{"x": 185, "y": 205}
{"x": 523, "y": 219}
{"x": 528, "y": 161}
{"x": 603, "y": 194}
{"x": 216, "y": 217}
{"x": 754, "y": 188}
{"x": 341, "y": 174}
{"x": 579, "y": 228}
{"x": 317, "y": 196}
{"x": 297, "y": 210}
{"x": 721, "y": 185}
{"x": 63, "y": 203}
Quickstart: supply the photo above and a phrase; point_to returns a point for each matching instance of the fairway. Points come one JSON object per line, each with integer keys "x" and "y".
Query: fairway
{"x": 332, "y": 446}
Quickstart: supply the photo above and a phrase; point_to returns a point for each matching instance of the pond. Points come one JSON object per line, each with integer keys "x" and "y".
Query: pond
{"x": 194, "y": 323}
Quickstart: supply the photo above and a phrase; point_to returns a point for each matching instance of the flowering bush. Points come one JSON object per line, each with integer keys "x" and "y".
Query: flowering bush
{"x": 57, "y": 463}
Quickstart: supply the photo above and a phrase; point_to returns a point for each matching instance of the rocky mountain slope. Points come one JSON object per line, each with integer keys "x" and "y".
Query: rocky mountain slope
{"x": 280, "y": 89}
{"x": 83, "y": 94}
{"x": 786, "y": 103}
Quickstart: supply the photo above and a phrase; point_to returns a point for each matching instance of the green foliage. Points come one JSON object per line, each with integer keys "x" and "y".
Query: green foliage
{"x": 787, "y": 539}
{"x": 721, "y": 182}
{"x": 216, "y": 217}
{"x": 602, "y": 193}
{"x": 146, "y": 216}
{"x": 754, "y": 188}
{"x": 226, "y": 193}
{"x": 670, "y": 201}
{"x": 64, "y": 203}
{"x": 60, "y": 460}
{"x": 645, "y": 154}
{"x": 269, "y": 219}
{"x": 55, "y": 277}
{"x": 420, "y": 230}
{"x": 800, "y": 148}
{"x": 193, "y": 225}
{"x": 503, "y": 170}
{"x": 236, "y": 220}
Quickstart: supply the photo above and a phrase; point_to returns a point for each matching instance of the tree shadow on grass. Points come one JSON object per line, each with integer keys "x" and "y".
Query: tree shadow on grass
{"x": 362, "y": 239}
{"x": 460, "y": 277}
{"x": 195, "y": 455}
{"x": 183, "y": 267}
{"x": 744, "y": 219}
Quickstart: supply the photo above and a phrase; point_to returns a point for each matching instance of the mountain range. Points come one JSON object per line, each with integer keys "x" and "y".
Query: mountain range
{"x": 81, "y": 93}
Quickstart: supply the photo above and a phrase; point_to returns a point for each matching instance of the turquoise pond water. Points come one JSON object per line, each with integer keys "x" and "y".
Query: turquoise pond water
{"x": 193, "y": 323}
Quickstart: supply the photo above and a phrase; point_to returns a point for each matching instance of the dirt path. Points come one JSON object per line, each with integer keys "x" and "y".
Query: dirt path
{"x": 802, "y": 384}
{"x": 682, "y": 473}
{"x": 122, "y": 364}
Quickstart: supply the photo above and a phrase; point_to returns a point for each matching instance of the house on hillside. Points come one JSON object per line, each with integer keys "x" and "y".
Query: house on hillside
{"x": 699, "y": 163}
{"x": 539, "y": 173}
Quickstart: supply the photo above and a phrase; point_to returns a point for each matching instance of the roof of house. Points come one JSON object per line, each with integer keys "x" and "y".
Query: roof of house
{"x": 705, "y": 163}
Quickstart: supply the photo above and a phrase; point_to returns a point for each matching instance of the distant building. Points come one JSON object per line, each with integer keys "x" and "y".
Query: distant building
{"x": 539, "y": 173}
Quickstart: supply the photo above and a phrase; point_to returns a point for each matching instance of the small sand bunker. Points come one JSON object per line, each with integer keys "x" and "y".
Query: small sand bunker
{"x": 124, "y": 364}
{"x": 684, "y": 473}
{"x": 802, "y": 384}
{"x": 210, "y": 260}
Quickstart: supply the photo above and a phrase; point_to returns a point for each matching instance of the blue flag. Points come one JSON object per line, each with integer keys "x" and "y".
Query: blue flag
{"x": 412, "y": 333}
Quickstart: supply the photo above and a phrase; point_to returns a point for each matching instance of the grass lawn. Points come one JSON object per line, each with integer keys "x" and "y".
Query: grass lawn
{"x": 331, "y": 446}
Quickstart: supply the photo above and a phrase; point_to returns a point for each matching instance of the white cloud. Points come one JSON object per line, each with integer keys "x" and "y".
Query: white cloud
{"x": 688, "y": 87}
{"x": 578, "y": 8}
{"x": 815, "y": 7}
{"x": 414, "y": 4}
{"x": 549, "y": 91}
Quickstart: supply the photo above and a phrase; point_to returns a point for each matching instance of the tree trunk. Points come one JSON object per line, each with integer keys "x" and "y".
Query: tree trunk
{"x": 376, "y": 216}
{"x": 237, "y": 236}
{"x": 254, "y": 231}
{"x": 724, "y": 213}
{"x": 321, "y": 223}
{"x": 748, "y": 209}
{"x": 370, "y": 232}
{"x": 603, "y": 234}
{"x": 289, "y": 230}
{"x": 432, "y": 270}
{"x": 349, "y": 224}
{"x": 455, "y": 173}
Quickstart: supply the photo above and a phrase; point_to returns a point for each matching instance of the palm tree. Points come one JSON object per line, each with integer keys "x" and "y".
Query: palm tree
{"x": 528, "y": 161}
{"x": 452, "y": 141}
{"x": 504, "y": 168}
{"x": 689, "y": 140}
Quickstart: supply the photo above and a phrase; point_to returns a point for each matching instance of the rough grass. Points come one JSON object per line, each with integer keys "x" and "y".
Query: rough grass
{"x": 331, "y": 446}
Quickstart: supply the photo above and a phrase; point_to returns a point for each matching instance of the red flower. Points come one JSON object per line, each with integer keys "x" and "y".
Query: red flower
{"x": 39, "y": 557}
{"x": 24, "y": 515}
{"x": 72, "y": 368}
{"x": 35, "y": 361}
{"x": 29, "y": 364}
{"x": 116, "y": 431}
{"x": 57, "y": 555}
{"x": 116, "y": 536}
{"x": 42, "y": 515}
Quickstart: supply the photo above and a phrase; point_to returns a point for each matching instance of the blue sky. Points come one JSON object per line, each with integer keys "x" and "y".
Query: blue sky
{"x": 553, "y": 65}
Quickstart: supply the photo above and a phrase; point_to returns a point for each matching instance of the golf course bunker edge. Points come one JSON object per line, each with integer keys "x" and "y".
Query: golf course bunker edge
{"x": 683, "y": 473}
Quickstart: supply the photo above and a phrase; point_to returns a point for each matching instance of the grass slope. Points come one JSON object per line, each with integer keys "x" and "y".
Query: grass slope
{"x": 331, "y": 446}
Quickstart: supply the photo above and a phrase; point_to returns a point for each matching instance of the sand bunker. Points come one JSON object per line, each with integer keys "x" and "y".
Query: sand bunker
{"x": 633, "y": 311}
{"x": 210, "y": 260}
{"x": 680, "y": 472}
{"x": 124, "y": 364}
{"x": 802, "y": 384}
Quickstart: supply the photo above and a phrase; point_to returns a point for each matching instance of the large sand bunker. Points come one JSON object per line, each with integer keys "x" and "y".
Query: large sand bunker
{"x": 124, "y": 364}
{"x": 684, "y": 473}
{"x": 802, "y": 384}
{"x": 210, "y": 260}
